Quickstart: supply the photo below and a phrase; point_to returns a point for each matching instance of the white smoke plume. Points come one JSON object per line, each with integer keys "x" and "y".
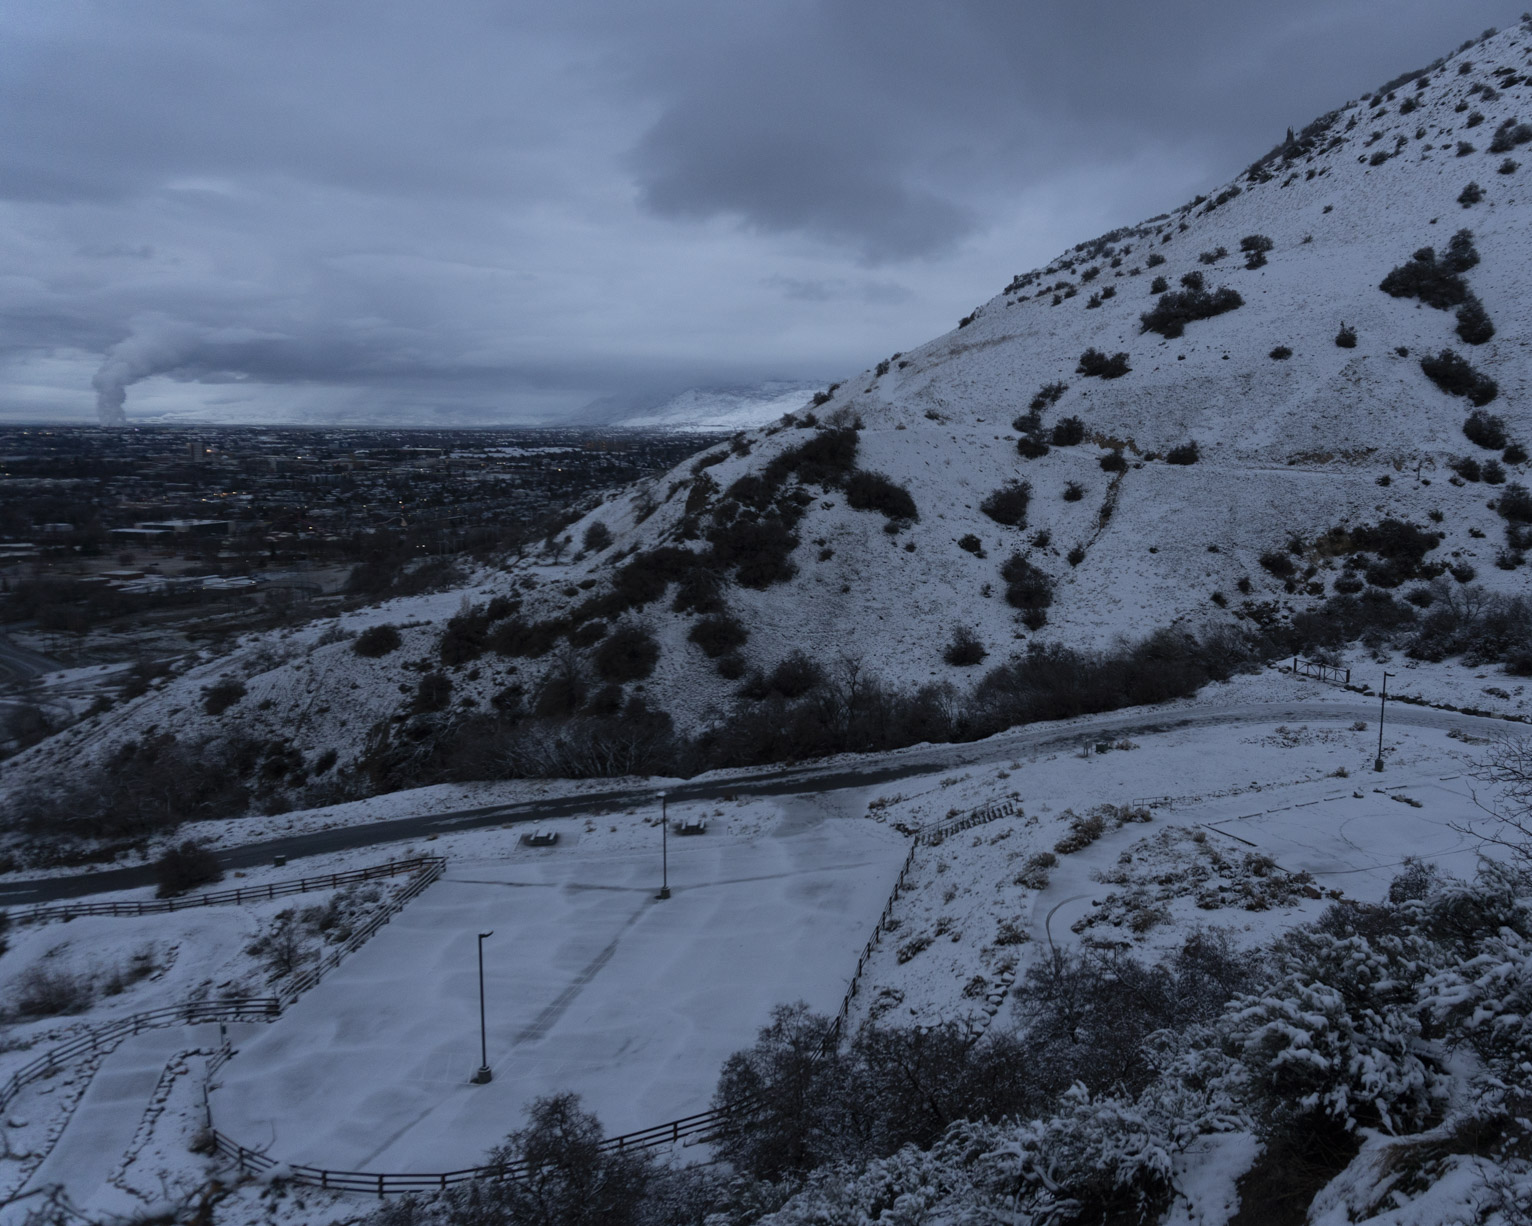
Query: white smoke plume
{"x": 157, "y": 344}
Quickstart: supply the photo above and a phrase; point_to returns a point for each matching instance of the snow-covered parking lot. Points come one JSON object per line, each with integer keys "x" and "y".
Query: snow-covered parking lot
{"x": 592, "y": 986}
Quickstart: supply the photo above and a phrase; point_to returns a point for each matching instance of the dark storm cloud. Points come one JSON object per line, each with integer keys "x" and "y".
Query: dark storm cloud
{"x": 513, "y": 208}
{"x": 890, "y": 126}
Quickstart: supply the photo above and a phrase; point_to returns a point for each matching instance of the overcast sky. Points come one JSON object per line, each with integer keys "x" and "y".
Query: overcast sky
{"x": 473, "y": 211}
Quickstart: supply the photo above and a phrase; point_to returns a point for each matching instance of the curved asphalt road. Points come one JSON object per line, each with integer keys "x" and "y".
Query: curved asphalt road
{"x": 19, "y": 663}
{"x": 860, "y": 772}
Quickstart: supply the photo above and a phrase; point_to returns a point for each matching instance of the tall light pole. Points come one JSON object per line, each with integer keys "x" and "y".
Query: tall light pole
{"x": 664, "y": 851}
{"x": 483, "y": 1075}
{"x": 1377, "y": 764}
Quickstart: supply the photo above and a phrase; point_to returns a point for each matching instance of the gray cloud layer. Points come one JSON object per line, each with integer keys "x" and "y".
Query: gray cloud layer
{"x": 490, "y": 211}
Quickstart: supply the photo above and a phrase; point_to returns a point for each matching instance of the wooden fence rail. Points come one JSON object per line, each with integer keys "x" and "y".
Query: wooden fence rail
{"x": 243, "y": 894}
{"x": 98, "y": 1038}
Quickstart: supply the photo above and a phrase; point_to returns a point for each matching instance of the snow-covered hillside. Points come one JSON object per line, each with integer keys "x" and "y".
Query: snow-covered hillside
{"x": 723, "y": 408}
{"x": 1296, "y": 434}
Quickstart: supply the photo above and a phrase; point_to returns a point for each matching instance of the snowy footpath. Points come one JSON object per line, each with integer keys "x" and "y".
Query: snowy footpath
{"x": 94, "y": 1142}
{"x": 592, "y": 986}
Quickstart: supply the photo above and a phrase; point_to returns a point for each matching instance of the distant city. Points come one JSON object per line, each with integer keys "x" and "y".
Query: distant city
{"x": 235, "y": 525}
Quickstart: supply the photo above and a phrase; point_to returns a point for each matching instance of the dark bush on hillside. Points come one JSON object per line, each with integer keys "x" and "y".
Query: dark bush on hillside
{"x": 1470, "y": 195}
{"x": 1213, "y": 256}
{"x": 561, "y": 694}
{"x": 969, "y": 543}
{"x": 1346, "y": 337}
{"x": 1095, "y": 363}
{"x": 699, "y": 592}
{"x": 1457, "y": 377}
{"x": 1278, "y": 563}
{"x": 793, "y": 677}
{"x": 143, "y": 787}
{"x": 1345, "y": 618}
{"x": 757, "y": 550}
{"x": 1178, "y": 308}
{"x": 826, "y": 459}
{"x": 1467, "y": 468}
{"x": 1159, "y": 285}
{"x": 222, "y": 694}
{"x": 1185, "y": 453}
{"x": 1051, "y": 681}
{"x": 1474, "y": 324}
{"x": 964, "y": 649}
{"x": 1031, "y": 447}
{"x": 719, "y": 635}
{"x": 1435, "y": 282}
{"x": 870, "y": 491}
{"x": 597, "y": 537}
{"x": 1515, "y": 453}
{"x": 1280, "y": 354}
{"x": 1048, "y": 394}
{"x": 1114, "y": 462}
{"x": 465, "y": 637}
{"x": 1485, "y": 430}
{"x": 1515, "y": 503}
{"x": 517, "y": 638}
{"x": 377, "y": 641}
{"x": 1155, "y": 259}
{"x": 1255, "y": 247}
{"x": 1493, "y": 473}
{"x": 1026, "y": 587}
{"x": 185, "y": 867}
{"x": 1509, "y": 134}
{"x": 1193, "y": 280}
{"x": 1461, "y": 253}
{"x": 432, "y": 693}
{"x": 1068, "y": 431}
{"x": 1028, "y": 423}
{"x": 1008, "y": 504}
{"x": 1397, "y": 540}
{"x": 629, "y": 653}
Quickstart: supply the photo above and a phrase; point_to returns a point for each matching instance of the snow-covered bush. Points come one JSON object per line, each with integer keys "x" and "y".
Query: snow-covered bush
{"x": 1176, "y": 309}
{"x": 1008, "y": 504}
{"x": 1455, "y": 376}
{"x": 1337, "y": 1040}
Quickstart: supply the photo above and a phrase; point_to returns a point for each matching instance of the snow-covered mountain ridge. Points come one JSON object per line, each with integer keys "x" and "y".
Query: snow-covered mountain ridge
{"x": 1288, "y": 445}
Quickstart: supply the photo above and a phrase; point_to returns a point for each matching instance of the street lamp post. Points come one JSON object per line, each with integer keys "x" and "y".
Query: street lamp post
{"x": 483, "y": 1075}
{"x": 664, "y": 851}
{"x": 1377, "y": 764}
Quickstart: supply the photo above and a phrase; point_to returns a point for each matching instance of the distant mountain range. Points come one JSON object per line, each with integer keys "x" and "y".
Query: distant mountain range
{"x": 710, "y": 408}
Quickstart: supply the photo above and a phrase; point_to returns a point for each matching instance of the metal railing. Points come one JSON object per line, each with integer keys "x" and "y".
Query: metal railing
{"x": 1335, "y": 673}
{"x": 979, "y": 817}
{"x": 243, "y": 894}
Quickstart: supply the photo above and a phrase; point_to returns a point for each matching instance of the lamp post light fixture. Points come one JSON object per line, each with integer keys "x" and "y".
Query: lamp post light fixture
{"x": 483, "y": 1075}
{"x": 664, "y": 851}
{"x": 1377, "y": 763}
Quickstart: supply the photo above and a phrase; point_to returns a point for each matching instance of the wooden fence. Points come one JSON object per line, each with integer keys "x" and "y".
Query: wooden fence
{"x": 99, "y": 1038}
{"x": 243, "y": 894}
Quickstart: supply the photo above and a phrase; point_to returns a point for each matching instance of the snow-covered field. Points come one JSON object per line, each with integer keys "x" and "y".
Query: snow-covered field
{"x": 592, "y": 986}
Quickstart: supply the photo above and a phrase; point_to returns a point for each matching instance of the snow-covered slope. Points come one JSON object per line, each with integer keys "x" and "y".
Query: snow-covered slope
{"x": 724, "y": 408}
{"x": 1326, "y": 436}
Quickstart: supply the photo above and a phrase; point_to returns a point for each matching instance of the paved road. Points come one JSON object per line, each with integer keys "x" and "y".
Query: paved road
{"x": 860, "y": 772}
{"x": 19, "y": 663}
